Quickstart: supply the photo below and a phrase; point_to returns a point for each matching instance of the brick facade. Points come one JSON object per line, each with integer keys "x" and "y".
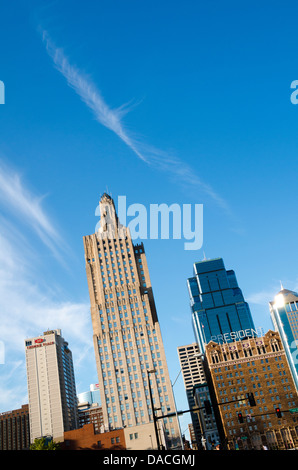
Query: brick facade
{"x": 86, "y": 438}
{"x": 258, "y": 366}
{"x": 14, "y": 429}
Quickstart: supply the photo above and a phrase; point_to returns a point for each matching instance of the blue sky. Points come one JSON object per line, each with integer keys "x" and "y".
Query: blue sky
{"x": 163, "y": 102}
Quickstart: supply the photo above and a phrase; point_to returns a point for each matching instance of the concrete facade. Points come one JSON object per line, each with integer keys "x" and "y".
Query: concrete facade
{"x": 126, "y": 332}
{"x": 140, "y": 437}
{"x": 51, "y": 386}
{"x": 193, "y": 373}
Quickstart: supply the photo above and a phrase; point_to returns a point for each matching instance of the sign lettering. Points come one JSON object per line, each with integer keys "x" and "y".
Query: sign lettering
{"x": 238, "y": 335}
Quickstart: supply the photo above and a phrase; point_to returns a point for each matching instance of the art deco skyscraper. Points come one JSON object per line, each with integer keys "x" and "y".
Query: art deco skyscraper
{"x": 128, "y": 344}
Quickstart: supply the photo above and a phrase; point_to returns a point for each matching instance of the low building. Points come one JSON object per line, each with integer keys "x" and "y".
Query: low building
{"x": 86, "y": 438}
{"x": 256, "y": 366}
{"x": 133, "y": 438}
{"x": 143, "y": 437}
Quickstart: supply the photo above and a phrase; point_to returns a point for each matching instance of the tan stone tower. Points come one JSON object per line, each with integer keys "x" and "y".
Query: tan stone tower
{"x": 128, "y": 344}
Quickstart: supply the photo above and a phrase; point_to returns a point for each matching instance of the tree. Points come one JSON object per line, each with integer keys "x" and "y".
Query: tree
{"x": 44, "y": 444}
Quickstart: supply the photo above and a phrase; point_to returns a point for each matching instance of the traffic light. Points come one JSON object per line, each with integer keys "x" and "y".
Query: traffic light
{"x": 278, "y": 412}
{"x": 251, "y": 399}
{"x": 207, "y": 405}
{"x": 240, "y": 418}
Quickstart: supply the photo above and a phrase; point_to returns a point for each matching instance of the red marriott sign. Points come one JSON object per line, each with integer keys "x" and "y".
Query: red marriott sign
{"x": 40, "y": 345}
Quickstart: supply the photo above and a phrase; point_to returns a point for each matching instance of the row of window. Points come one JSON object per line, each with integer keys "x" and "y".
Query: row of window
{"x": 114, "y": 271}
{"x": 292, "y": 307}
{"x": 216, "y": 357}
{"x": 247, "y": 364}
{"x": 114, "y": 440}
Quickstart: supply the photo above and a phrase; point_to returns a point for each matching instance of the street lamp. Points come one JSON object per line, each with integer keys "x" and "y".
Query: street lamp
{"x": 152, "y": 371}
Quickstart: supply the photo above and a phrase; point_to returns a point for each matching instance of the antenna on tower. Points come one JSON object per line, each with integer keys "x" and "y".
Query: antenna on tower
{"x": 281, "y": 286}
{"x": 204, "y": 259}
{"x": 107, "y": 191}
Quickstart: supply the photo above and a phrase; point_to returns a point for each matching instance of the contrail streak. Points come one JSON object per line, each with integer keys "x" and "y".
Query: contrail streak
{"x": 112, "y": 119}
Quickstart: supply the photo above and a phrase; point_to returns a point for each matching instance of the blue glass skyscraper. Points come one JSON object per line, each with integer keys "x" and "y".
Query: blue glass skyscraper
{"x": 219, "y": 310}
{"x": 284, "y": 316}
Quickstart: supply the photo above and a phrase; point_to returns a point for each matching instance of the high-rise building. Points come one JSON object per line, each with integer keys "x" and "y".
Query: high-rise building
{"x": 14, "y": 429}
{"x": 90, "y": 397}
{"x": 205, "y": 432}
{"x": 128, "y": 345}
{"x": 219, "y": 310}
{"x": 51, "y": 386}
{"x": 253, "y": 393}
{"x": 193, "y": 373}
{"x": 284, "y": 316}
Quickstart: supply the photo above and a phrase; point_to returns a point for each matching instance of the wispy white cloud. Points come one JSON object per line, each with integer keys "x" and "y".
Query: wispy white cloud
{"x": 28, "y": 304}
{"x": 28, "y": 308}
{"x": 90, "y": 95}
{"x": 17, "y": 200}
{"x": 112, "y": 119}
{"x": 263, "y": 297}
